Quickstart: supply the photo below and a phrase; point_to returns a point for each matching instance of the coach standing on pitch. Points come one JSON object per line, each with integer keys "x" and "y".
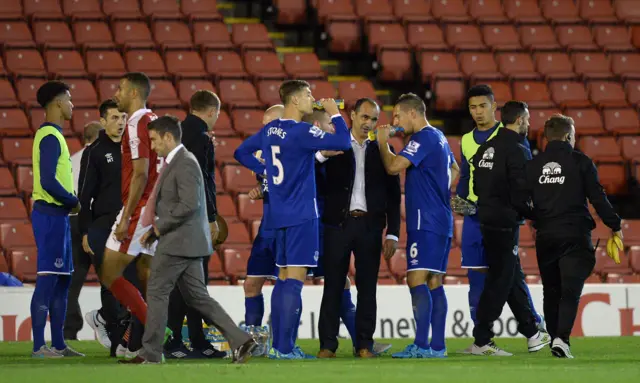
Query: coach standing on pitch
{"x": 500, "y": 184}
{"x": 561, "y": 180}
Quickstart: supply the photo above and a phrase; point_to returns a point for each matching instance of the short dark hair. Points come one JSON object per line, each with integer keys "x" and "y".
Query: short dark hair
{"x": 204, "y": 99}
{"x": 412, "y": 101}
{"x": 364, "y": 100}
{"x": 167, "y": 124}
{"x": 479, "y": 91}
{"x": 140, "y": 81}
{"x": 289, "y": 88}
{"x": 49, "y": 91}
{"x": 106, "y": 106}
{"x": 315, "y": 116}
{"x": 557, "y": 127}
{"x": 511, "y": 110}
{"x": 91, "y": 131}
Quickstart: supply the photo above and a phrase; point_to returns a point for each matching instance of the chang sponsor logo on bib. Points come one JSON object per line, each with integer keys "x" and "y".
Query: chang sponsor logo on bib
{"x": 551, "y": 174}
{"x": 487, "y": 159}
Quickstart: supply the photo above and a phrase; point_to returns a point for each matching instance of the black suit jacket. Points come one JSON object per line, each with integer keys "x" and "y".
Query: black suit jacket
{"x": 196, "y": 140}
{"x": 382, "y": 191}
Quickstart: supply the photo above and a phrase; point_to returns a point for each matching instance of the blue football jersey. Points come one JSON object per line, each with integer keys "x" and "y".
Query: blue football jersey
{"x": 428, "y": 182}
{"x": 288, "y": 148}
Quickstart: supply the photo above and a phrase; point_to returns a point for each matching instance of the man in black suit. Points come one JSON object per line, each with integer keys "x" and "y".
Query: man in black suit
{"x": 360, "y": 200}
{"x": 205, "y": 108}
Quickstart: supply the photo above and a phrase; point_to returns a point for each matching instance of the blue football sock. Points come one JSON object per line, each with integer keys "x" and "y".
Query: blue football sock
{"x": 421, "y": 302}
{"x": 276, "y": 311}
{"x": 254, "y": 310}
{"x": 438, "y": 318}
{"x": 58, "y": 311}
{"x": 291, "y": 305}
{"x": 533, "y": 307}
{"x": 476, "y": 285}
{"x": 348, "y": 314}
{"x": 40, "y": 304}
{"x": 297, "y": 325}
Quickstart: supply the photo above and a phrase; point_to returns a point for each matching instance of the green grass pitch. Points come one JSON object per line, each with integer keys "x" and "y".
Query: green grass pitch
{"x": 601, "y": 360}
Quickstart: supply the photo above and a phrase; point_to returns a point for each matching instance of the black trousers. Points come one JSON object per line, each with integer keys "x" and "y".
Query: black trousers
{"x": 178, "y": 308}
{"x": 504, "y": 284}
{"x": 565, "y": 264}
{"x": 111, "y": 310}
{"x": 363, "y": 237}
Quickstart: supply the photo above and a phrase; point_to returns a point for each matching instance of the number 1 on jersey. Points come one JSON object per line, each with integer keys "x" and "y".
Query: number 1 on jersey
{"x": 275, "y": 150}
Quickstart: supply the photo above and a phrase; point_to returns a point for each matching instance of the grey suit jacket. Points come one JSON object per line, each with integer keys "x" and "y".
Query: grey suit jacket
{"x": 182, "y": 210}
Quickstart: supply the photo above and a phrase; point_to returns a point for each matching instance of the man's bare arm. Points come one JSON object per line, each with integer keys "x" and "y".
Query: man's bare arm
{"x": 138, "y": 184}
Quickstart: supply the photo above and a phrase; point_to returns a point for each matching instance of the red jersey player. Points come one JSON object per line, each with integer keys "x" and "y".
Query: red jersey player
{"x": 140, "y": 167}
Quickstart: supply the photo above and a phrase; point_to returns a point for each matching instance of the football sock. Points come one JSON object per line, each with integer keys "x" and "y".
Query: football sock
{"x": 40, "y": 302}
{"x": 476, "y": 285}
{"x": 130, "y": 297}
{"x": 297, "y": 324}
{"x": 348, "y": 314}
{"x": 438, "y": 318}
{"x": 254, "y": 310}
{"x": 533, "y": 307}
{"x": 276, "y": 311}
{"x": 58, "y": 311}
{"x": 421, "y": 303}
{"x": 291, "y": 300}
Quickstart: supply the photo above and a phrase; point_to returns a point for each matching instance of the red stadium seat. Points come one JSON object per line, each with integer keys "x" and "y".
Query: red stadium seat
{"x": 184, "y": 64}
{"x": 575, "y": 37}
{"x": 560, "y": 12}
{"x": 238, "y": 178}
{"x": 396, "y": 65}
{"x": 16, "y": 34}
{"x": 24, "y": 62}
{"x": 118, "y": 9}
{"x": 384, "y": 35}
{"x": 501, "y": 37}
{"x": 200, "y": 10}
{"x": 597, "y": 11}
{"x": 322, "y": 89}
{"x": 613, "y": 38}
{"x": 24, "y": 263}
{"x": 592, "y": 66}
{"x": 434, "y": 65}
{"x": 219, "y": 188}
{"x": 398, "y": 265}
{"x": 626, "y": 64}
{"x": 263, "y": 64}
{"x": 464, "y": 37}
{"x": 621, "y": 121}
{"x": 12, "y": 209}
{"x": 250, "y": 35}
{"x": 238, "y": 94}
{"x": 11, "y": 9}
{"x": 4, "y": 267}
{"x": 107, "y": 88}
{"x": 517, "y": 66}
{"x": 37, "y": 117}
{"x": 238, "y": 233}
{"x": 372, "y": 9}
{"x": 303, "y": 65}
{"x": 291, "y": 12}
{"x": 226, "y": 147}
{"x": 163, "y": 95}
{"x": 601, "y": 149}
{"x": 426, "y": 37}
{"x": 412, "y": 11}
{"x": 630, "y": 148}
{"x": 15, "y": 235}
{"x": 83, "y": 10}
{"x": 132, "y": 34}
{"x": 42, "y": 8}
{"x": 105, "y": 63}
{"x": 607, "y": 94}
{"x": 570, "y": 94}
{"x": 526, "y": 236}
{"x": 17, "y": 150}
{"x": 82, "y": 117}
{"x": 248, "y": 209}
{"x": 7, "y": 183}
{"x": 613, "y": 178}
{"x": 538, "y": 37}
{"x": 634, "y": 258}
{"x": 587, "y": 121}
{"x": 450, "y": 94}
{"x": 53, "y": 34}
{"x": 538, "y": 117}
{"x": 555, "y": 66}
{"x": 454, "y": 144}
{"x": 479, "y": 66}
{"x": 351, "y": 91}
{"x": 326, "y": 8}
{"x": 606, "y": 265}
{"x": 13, "y": 122}
{"x": 458, "y": 223}
{"x": 211, "y": 35}
{"x": 145, "y": 61}
{"x": 523, "y": 11}
{"x": 247, "y": 121}
{"x": 216, "y": 271}
{"x": 235, "y": 263}
{"x": 223, "y": 64}
{"x": 223, "y": 126}
{"x": 269, "y": 92}
{"x": 226, "y": 206}
{"x": 187, "y": 87}
{"x": 617, "y": 278}
{"x": 27, "y": 88}
{"x": 450, "y": 11}
{"x": 172, "y": 34}
{"x": 161, "y": 8}
{"x": 65, "y": 63}
{"x": 344, "y": 36}
{"x": 633, "y": 92}
{"x": 528, "y": 260}
{"x": 486, "y": 11}
{"x": 535, "y": 93}
{"x": 82, "y": 91}
{"x": 93, "y": 34}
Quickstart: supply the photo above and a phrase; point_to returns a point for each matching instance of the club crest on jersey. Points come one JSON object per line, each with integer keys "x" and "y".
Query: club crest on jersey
{"x": 487, "y": 159}
{"x": 412, "y": 148}
{"x": 134, "y": 142}
{"x": 551, "y": 174}
{"x": 316, "y": 132}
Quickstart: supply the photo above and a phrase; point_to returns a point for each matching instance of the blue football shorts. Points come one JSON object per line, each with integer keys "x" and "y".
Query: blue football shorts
{"x": 427, "y": 250}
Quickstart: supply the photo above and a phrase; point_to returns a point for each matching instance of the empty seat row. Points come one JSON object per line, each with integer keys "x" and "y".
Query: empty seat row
{"x": 18, "y": 151}
{"x": 481, "y": 11}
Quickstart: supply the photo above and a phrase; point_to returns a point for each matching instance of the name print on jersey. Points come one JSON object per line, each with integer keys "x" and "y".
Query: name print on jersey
{"x": 487, "y": 159}
{"x": 551, "y": 174}
{"x": 277, "y": 131}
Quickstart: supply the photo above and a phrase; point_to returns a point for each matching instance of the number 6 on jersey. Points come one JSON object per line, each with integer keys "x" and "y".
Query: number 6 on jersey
{"x": 275, "y": 150}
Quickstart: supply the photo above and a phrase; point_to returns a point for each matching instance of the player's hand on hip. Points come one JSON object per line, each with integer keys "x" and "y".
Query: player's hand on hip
{"x": 255, "y": 193}
{"x": 389, "y": 248}
{"x": 330, "y": 153}
{"x": 76, "y": 209}
{"x": 122, "y": 230}
{"x": 330, "y": 106}
{"x": 85, "y": 245}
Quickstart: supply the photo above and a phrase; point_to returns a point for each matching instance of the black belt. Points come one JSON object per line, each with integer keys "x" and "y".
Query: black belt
{"x": 357, "y": 213}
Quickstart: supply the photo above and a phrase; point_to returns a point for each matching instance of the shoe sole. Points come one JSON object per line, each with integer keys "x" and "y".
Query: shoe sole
{"x": 89, "y": 319}
{"x": 558, "y": 352}
{"x": 538, "y": 347}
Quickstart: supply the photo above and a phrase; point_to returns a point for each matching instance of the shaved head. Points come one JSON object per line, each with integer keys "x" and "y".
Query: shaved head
{"x": 273, "y": 113}
{"x": 91, "y": 131}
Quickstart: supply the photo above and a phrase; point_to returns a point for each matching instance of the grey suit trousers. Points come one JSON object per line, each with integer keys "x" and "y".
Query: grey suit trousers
{"x": 167, "y": 271}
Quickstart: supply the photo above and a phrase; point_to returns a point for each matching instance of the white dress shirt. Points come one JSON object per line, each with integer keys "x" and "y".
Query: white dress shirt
{"x": 173, "y": 153}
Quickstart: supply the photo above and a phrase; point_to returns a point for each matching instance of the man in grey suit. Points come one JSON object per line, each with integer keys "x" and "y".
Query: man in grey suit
{"x": 184, "y": 238}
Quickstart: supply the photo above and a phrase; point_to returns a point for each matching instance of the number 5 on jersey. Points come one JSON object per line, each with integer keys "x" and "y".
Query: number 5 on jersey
{"x": 275, "y": 150}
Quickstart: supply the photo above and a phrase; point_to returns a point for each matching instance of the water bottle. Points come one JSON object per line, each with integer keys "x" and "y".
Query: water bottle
{"x": 339, "y": 102}
{"x": 392, "y": 132}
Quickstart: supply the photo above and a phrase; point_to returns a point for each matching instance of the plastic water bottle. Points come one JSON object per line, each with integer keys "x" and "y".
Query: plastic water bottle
{"x": 392, "y": 132}
{"x": 339, "y": 102}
